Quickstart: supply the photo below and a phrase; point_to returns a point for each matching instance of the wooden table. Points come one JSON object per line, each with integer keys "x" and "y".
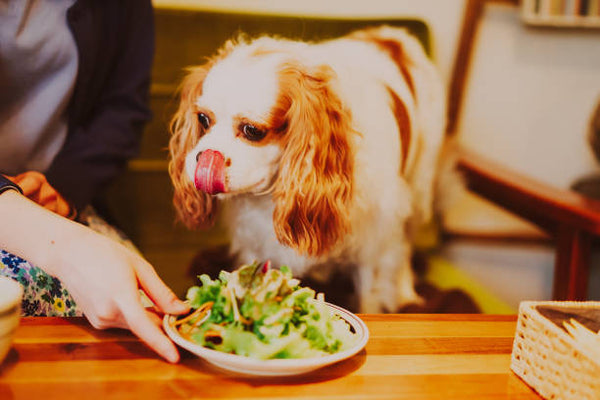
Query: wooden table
{"x": 407, "y": 357}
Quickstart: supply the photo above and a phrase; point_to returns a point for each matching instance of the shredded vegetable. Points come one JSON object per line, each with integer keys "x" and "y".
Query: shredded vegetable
{"x": 264, "y": 313}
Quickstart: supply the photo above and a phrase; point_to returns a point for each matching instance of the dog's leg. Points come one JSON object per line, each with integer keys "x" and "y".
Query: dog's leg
{"x": 405, "y": 284}
{"x": 364, "y": 279}
{"x": 386, "y": 282}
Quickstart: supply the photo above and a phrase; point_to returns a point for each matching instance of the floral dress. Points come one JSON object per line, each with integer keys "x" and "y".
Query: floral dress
{"x": 45, "y": 295}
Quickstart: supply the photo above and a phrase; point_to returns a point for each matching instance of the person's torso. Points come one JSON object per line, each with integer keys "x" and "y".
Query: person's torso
{"x": 38, "y": 68}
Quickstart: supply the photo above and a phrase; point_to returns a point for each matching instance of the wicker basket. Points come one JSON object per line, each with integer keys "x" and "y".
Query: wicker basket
{"x": 547, "y": 358}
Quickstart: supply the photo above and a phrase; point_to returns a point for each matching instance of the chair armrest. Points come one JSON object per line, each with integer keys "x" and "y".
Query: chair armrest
{"x": 544, "y": 205}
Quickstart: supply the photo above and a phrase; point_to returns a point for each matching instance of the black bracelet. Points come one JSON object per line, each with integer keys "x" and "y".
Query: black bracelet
{"x": 7, "y": 184}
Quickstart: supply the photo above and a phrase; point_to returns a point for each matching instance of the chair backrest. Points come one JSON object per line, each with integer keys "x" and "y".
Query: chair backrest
{"x": 199, "y": 34}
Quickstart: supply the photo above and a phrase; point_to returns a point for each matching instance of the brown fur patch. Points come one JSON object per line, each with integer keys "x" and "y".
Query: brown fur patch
{"x": 315, "y": 183}
{"x": 194, "y": 208}
{"x": 394, "y": 50}
{"x": 404, "y": 125}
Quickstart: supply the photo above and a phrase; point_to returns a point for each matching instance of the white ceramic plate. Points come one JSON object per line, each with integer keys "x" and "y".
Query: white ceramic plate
{"x": 276, "y": 367}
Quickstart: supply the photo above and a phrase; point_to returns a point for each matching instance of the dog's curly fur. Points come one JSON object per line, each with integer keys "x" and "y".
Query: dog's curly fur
{"x": 343, "y": 161}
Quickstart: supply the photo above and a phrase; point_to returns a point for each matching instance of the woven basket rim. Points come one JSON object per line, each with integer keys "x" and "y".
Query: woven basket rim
{"x": 561, "y": 333}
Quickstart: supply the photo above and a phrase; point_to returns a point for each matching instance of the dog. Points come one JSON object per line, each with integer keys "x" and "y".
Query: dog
{"x": 322, "y": 154}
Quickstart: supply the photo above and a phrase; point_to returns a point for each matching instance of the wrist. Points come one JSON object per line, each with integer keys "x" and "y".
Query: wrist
{"x": 34, "y": 233}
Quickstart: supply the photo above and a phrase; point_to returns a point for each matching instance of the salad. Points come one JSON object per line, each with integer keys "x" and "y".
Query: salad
{"x": 263, "y": 313}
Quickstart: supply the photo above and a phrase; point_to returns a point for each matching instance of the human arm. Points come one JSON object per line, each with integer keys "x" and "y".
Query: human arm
{"x": 101, "y": 274}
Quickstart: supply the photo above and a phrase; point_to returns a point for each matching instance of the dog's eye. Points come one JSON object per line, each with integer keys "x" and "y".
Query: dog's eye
{"x": 252, "y": 133}
{"x": 204, "y": 120}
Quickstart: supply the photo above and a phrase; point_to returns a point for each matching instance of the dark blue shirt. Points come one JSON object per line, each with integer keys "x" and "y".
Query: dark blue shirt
{"x": 109, "y": 107}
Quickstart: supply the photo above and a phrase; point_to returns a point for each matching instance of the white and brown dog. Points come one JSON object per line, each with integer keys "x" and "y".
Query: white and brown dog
{"x": 325, "y": 153}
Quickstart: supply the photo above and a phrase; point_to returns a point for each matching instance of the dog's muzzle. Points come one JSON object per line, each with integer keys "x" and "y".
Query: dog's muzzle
{"x": 210, "y": 172}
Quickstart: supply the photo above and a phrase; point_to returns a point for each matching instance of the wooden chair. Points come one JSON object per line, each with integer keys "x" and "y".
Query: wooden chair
{"x": 570, "y": 219}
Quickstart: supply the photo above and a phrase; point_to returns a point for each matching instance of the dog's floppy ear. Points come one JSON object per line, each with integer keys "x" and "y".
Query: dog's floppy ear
{"x": 194, "y": 208}
{"x": 315, "y": 181}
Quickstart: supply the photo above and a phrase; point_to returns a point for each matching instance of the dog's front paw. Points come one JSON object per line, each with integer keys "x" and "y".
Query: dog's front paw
{"x": 383, "y": 301}
{"x": 412, "y": 302}
{"x": 371, "y": 305}
{"x": 407, "y": 295}
{"x": 386, "y": 293}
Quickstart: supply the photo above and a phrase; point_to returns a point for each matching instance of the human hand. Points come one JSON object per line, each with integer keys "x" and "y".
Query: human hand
{"x": 36, "y": 188}
{"x": 104, "y": 276}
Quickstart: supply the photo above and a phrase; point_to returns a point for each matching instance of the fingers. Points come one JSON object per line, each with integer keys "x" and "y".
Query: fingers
{"x": 30, "y": 182}
{"x": 147, "y": 327}
{"x": 62, "y": 208}
{"x": 36, "y": 188}
{"x": 154, "y": 317}
{"x": 145, "y": 324}
{"x": 47, "y": 194}
{"x": 49, "y": 198}
{"x": 158, "y": 292}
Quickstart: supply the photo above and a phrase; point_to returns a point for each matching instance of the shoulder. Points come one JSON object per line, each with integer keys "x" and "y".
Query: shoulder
{"x": 114, "y": 10}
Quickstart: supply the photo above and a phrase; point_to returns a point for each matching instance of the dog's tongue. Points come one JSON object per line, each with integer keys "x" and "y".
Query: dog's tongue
{"x": 210, "y": 172}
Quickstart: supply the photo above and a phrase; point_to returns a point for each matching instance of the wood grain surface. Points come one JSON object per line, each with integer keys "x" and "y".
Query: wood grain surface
{"x": 407, "y": 357}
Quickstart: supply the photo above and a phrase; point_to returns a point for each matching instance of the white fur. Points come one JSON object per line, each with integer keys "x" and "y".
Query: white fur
{"x": 385, "y": 200}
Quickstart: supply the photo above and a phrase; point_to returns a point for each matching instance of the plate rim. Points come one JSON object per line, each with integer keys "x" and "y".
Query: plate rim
{"x": 292, "y": 366}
